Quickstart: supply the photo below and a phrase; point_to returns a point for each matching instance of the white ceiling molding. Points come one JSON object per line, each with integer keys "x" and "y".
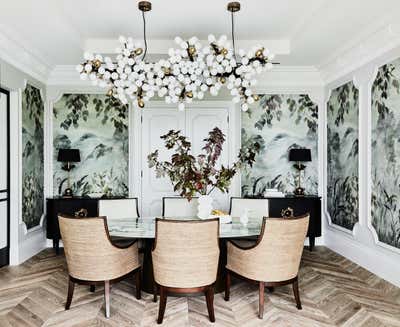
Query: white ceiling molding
{"x": 23, "y": 59}
{"x": 108, "y": 46}
{"x": 348, "y": 59}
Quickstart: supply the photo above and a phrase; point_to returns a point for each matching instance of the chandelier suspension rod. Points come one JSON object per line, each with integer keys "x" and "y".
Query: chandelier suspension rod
{"x": 233, "y": 35}
{"x": 144, "y": 6}
{"x": 144, "y": 35}
{"x": 233, "y": 7}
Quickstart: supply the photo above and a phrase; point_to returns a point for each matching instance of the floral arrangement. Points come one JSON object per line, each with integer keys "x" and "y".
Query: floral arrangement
{"x": 191, "y": 175}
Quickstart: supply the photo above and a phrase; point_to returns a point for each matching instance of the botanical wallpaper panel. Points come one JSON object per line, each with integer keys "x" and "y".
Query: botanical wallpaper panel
{"x": 280, "y": 123}
{"x": 342, "y": 150}
{"x": 32, "y": 156}
{"x": 385, "y": 154}
{"x": 97, "y": 125}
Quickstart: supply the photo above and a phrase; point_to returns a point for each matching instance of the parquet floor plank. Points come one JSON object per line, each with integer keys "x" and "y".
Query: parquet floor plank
{"x": 334, "y": 292}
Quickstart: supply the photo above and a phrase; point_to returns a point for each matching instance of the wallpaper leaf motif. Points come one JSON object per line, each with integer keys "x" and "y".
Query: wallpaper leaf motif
{"x": 32, "y": 156}
{"x": 97, "y": 125}
{"x": 385, "y": 206}
{"x": 342, "y": 121}
{"x": 280, "y": 123}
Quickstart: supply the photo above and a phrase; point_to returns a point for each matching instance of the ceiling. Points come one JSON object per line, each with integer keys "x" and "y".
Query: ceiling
{"x": 57, "y": 31}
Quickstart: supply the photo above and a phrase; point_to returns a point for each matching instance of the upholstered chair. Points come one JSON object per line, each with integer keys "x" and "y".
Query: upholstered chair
{"x": 119, "y": 208}
{"x": 178, "y": 207}
{"x": 185, "y": 259}
{"x": 92, "y": 258}
{"x": 258, "y": 208}
{"x": 274, "y": 260}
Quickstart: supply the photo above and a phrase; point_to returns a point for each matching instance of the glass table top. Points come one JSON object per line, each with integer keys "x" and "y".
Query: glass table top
{"x": 144, "y": 227}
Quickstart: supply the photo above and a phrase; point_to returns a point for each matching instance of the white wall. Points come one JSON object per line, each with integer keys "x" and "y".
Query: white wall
{"x": 362, "y": 245}
{"x": 23, "y": 243}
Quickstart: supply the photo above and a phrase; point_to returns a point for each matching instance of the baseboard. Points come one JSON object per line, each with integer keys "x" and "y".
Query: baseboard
{"x": 370, "y": 257}
{"x": 31, "y": 246}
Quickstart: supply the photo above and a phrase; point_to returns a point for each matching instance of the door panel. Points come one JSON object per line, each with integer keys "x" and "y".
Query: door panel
{"x": 156, "y": 122}
{"x": 200, "y": 121}
{"x": 4, "y": 178}
{"x": 3, "y": 142}
{"x": 3, "y": 222}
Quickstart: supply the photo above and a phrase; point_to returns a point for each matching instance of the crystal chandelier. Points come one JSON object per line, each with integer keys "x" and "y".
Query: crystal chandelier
{"x": 191, "y": 70}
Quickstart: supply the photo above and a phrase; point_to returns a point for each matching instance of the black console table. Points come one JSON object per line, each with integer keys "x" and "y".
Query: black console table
{"x": 300, "y": 205}
{"x": 67, "y": 206}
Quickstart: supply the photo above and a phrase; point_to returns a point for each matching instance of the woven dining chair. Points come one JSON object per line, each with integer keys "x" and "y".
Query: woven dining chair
{"x": 177, "y": 207}
{"x": 185, "y": 259}
{"x": 274, "y": 260}
{"x": 120, "y": 209}
{"x": 92, "y": 259}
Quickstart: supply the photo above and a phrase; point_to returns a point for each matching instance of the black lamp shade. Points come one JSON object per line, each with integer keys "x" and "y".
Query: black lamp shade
{"x": 68, "y": 155}
{"x": 300, "y": 155}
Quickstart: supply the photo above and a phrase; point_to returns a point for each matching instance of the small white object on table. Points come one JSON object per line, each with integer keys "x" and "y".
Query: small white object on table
{"x": 223, "y": 219}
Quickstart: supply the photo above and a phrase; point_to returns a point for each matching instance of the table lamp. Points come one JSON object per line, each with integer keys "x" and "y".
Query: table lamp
{"x": 67, "y": 156}
{"x": 299, "y": 156}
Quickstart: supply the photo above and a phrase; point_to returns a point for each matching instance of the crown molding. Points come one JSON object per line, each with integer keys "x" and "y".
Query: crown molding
{"x": 21, "y": 58}
{"x": 360, "y": 53}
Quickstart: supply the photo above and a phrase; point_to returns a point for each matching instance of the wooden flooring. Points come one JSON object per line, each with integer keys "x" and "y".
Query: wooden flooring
{"x": 334, "y": 292}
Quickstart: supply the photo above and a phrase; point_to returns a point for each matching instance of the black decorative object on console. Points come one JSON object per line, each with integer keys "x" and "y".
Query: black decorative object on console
{"x": 299, "y": 156}
{"x": 68, "y": 156}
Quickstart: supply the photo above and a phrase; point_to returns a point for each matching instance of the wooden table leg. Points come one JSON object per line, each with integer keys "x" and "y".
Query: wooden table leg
{"x": 220, "y": 282}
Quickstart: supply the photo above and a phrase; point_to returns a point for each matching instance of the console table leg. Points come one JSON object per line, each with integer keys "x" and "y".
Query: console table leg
{"x": 56, "y": 245}
{"x": 312, "y": 242}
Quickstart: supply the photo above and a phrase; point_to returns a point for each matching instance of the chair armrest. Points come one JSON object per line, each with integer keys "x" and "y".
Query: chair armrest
{"x": 125, "y": 246}
{"x": 242, "y": 247}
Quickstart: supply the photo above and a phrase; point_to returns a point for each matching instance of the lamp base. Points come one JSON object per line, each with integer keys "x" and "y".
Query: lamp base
{"x": 299, "y": 191}
{"x": 68, "y": 193}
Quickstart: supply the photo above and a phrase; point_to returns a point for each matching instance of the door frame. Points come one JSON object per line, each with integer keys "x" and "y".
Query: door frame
{"x": 5, "y": 258}
{"x": 233, "y": 138}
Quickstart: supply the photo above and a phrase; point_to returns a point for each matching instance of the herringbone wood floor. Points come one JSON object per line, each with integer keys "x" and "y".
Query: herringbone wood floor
{"x": 334, "y": 291}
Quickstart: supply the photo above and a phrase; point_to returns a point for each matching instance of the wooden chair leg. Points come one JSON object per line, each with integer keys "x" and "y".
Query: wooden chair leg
{"x": 163, "y": 303}
{"x": 227, "y": 285}
{"x": 92, "y": 288}
{"x": 261, "y": 300}
{"x": 297, "y": 294}
{"x": 107, "y": 297}
{"x": 155, "y": 291}
{"x": 138, "y": 284}
{"x": 210, "y": 303}
{"x": 71, "y": 286}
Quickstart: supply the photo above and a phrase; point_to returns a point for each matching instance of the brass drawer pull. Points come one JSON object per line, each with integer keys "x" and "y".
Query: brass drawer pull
{"x": 81, "y": 213}
{"x": 287, "y": 213}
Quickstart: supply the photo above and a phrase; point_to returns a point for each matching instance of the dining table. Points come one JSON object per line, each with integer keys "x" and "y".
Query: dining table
{"x": 143, "y": 228}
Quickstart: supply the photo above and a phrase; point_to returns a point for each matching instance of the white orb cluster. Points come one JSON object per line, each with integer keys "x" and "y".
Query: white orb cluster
{"x": 189, "y": 73}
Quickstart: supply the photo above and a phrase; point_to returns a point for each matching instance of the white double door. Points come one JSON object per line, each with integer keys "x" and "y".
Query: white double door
{"x": 195, "y": 123}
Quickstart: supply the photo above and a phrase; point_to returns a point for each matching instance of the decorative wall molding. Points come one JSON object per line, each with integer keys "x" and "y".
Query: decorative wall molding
{"x": 344, "y": 80}
{"x": 362, "y": 245}
{"x": 370, "y": 73}
{"x": 23, "y": 225}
